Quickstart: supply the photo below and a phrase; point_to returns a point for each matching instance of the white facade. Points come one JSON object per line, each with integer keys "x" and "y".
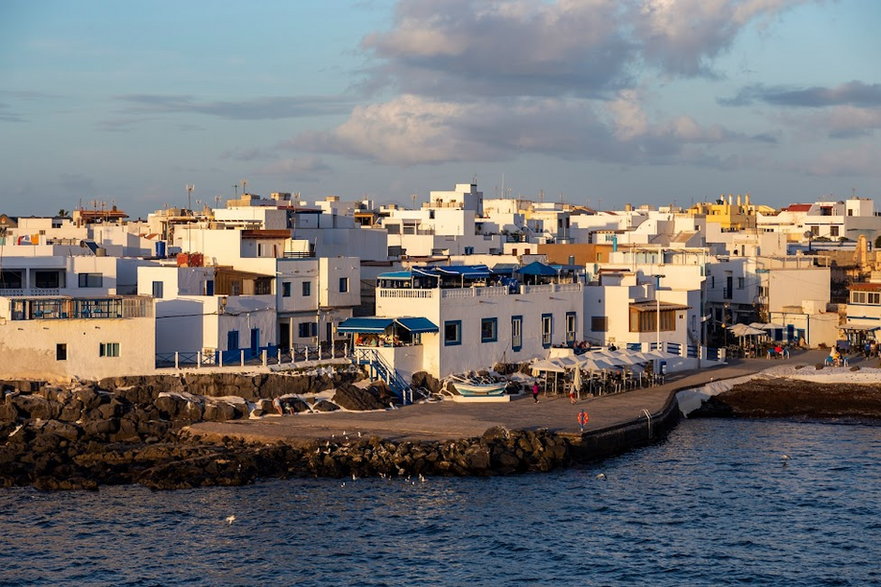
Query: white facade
{"x": 482, "y": 326}
{"x": 60, "y": 339}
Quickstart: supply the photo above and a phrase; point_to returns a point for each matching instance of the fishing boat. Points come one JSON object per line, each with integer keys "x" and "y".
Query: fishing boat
{"x": 472, "y": 389}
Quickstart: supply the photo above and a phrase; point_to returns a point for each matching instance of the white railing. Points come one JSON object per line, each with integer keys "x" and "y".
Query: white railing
{"x": 18, "y": 292}
{"x": 474, "y": 292}
{"x": 405, "y": 293}
{"x": 551, "y": 288}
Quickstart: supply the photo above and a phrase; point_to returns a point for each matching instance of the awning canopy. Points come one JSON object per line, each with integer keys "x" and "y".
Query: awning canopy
{"x": 854, "y": 328}
{"x": 402, "y": 275}
{"x": 370, "y": 325}
{"x": 537, "y": 268}
{"x": 651, "y": 306}
{"x": 417, "y": 325}
{"x": 376, "y": 325}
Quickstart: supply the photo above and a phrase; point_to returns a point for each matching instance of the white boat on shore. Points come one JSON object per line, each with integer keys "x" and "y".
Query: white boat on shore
{"x": 471, "y": 389}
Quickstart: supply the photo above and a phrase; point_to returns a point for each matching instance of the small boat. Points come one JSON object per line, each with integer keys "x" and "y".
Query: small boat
{"x": 469, "y": 389}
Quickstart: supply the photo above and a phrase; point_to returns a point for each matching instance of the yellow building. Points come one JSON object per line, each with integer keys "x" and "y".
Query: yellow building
{"x": 731, "y": 212}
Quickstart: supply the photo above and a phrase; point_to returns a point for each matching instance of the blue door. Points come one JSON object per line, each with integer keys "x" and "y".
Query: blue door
{"x": 255, "y": 340}
{"x": 232, "y": 340}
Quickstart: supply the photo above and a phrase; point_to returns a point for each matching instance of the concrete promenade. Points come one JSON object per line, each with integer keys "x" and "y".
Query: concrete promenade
{"x": 451, "y": 420}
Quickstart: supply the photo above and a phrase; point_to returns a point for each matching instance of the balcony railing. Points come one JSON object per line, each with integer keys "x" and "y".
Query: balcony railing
{"x": 27, "y": 292}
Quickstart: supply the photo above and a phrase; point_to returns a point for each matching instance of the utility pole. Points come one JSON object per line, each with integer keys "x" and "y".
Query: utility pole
{"x": 190, "y": 189}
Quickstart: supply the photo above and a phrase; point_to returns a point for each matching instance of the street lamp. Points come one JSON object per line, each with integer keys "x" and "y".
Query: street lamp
{"x": 658, "y": 311}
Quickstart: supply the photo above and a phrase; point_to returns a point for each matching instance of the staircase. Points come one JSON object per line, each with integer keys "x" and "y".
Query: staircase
{"x": 378, "y": 368}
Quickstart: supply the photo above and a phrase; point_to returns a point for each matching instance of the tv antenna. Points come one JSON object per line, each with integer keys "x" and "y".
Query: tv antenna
{"x": 190, "y": 189}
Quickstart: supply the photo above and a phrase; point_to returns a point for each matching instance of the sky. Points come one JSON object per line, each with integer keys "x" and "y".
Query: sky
{"x": 594, "y": 102}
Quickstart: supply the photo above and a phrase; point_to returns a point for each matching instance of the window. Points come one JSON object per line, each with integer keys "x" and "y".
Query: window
{"x": 833, "y": 231}
{"x": 393, "y": 228}
{"x": 108, "y": 349}
{"x": 10, "y": 279}
{"x": 857, "y": 297}
{"x": 815, "y": 230}
{"x": 452, "y": 332}
{"x": 157, "y": 289}
{"x": 489, "y": 330}
{"x": 547, "y": 329}
{"x": 469, "y": 250}
{"x": 307, "y": 329}
{"x": 90, "y": 279}
{"x": 232, "y": 340}
{"x": 599, "y": 323}
{"x": 874, "y": 298}
{"x": 285, "y": 289}
{"x": 307, "y": 289}
{"x": 60, "y": 352}
{"x": 741, "y": 282}
{"x": 571, "y": 327}
{"x": 516, "y": 333}
{"x": 712, "y": 282}
{"x": 647, "y": 321}
{"x": 344, "y": 284}
{"x": 47, "y": 279}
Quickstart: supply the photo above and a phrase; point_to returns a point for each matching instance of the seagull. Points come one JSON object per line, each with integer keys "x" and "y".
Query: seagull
{"x": 354, "y": 478}
{"x": 785, "y": 459}
{"x": 421, "y": 478}
{"x": 601, "y": 476}
{"x": 230, "y": 519}
{"x": 343, "y": 484}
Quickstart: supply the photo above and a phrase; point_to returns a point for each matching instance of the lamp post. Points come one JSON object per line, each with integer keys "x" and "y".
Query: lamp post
{"x": 658, "y": 311}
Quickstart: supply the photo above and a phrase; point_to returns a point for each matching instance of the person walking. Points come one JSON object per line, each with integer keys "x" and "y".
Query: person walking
{"x": 535, "y": 392}
{"x": 583, "y": 419}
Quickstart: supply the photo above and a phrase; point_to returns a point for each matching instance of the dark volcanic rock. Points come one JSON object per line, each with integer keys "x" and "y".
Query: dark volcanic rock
{"x": 351, "y": 397}
{"x": 775, "y": 398}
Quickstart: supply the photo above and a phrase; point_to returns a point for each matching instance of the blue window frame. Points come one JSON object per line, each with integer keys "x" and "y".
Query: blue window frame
{"x": 571, "y": 327}
{"x": 516, "y": 333}
{"x": 489, "y": 330}
{"x": 547, "y": 329}
{"x": 452, "y": 332}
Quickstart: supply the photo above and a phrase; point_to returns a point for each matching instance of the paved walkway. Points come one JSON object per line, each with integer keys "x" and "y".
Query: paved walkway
{"x": 451, "y": 420}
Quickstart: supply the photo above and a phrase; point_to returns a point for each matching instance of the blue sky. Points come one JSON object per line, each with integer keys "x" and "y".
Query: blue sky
{"x": 593, "y": 101}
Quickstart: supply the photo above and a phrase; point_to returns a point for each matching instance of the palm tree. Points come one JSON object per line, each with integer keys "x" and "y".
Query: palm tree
{"x": 63, "y": 213}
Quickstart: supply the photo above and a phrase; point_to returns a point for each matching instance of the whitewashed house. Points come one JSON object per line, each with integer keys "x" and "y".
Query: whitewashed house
{"x": 61, "y": 338}
{"x": 473, "y": 319}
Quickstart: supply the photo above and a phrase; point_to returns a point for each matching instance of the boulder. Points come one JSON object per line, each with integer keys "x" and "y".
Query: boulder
{"x": 355, "y": 398}
{"x": 324, "y": 406}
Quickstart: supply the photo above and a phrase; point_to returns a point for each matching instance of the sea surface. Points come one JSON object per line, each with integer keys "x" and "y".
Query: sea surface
{"x": 714, "y": 504}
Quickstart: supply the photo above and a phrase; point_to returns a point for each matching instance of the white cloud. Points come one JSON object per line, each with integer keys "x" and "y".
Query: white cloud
{"x": 414, "y": 130}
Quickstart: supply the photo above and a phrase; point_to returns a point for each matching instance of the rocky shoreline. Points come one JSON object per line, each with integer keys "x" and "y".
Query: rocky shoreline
{"x": 794, "y": 398}
{"x": 132, "y": 430}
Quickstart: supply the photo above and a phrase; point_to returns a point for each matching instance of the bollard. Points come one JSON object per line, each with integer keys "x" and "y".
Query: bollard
{"x": 176, "y": 360}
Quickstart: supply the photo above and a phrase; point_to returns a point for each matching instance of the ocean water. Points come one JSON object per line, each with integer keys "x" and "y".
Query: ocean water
{"x": 714, "y": 504}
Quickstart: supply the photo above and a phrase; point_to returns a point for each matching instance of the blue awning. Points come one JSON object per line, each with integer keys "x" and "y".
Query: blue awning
{"x": 536, "y": 268}
{"x": 371, "y": 325}
{"x": 395, "y": 275}
{"x": 417, "y": 325}
{"x": 376, "y": 325}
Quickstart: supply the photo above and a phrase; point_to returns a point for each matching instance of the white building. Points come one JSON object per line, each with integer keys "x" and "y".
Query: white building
{"x": 60, "y": 338}
{"x": 479, "y": 322}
